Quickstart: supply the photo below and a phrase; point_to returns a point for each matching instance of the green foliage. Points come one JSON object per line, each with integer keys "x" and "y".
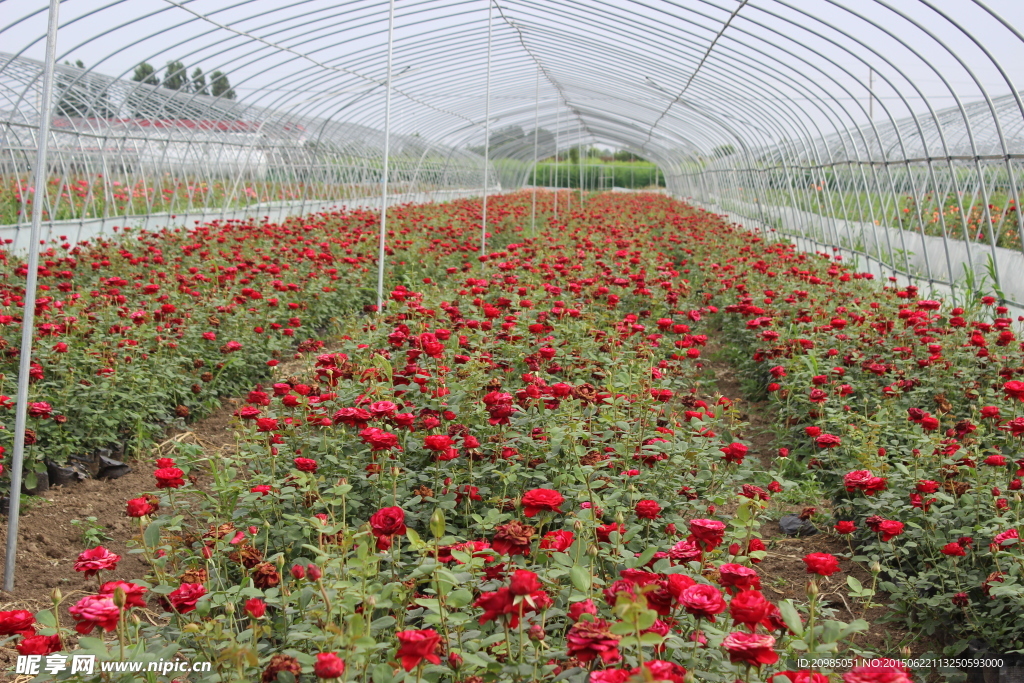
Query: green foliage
{"x": 145, "y": 73}
{"x": 220, "y": 87}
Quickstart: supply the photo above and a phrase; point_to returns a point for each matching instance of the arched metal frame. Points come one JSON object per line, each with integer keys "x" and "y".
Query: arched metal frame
{"x": 767, "y": 109}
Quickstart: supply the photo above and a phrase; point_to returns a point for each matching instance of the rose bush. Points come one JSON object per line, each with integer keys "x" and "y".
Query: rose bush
{"x": 516, "y": 471}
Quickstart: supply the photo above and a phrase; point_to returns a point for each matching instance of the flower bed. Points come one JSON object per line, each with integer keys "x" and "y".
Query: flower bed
{"x": 909, "y": 411}
{"x": 137, "y": 332}
{"x": 517, "y": 473}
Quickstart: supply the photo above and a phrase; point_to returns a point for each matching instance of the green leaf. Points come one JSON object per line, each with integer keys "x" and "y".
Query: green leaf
{"x": 853, "y": 627}
{"x": 791, "y": 617}
{"x": 646, "y": 556}
{"x": 581, "y": 579}
{"x": 45, "y": 617}
{"x": 151, "y": 536}
{"x": 854, "y": 584}
{"x": 622, "y": 628}
{"x": 459, "y": 598}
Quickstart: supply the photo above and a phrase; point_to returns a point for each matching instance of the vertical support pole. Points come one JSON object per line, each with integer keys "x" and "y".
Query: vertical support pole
{"x": 579, "y": 129}
{"x": 387, "y": 159}
{"x": 487, "y": 129}
{"x": 536, "y": 122}
{"x": 558, "y": 121}
{"x": 28, "y": 317}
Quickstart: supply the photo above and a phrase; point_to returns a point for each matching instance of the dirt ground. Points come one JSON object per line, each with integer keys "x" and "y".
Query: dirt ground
{"x": 783, "y": 570}
{"x": 49, "y": 543}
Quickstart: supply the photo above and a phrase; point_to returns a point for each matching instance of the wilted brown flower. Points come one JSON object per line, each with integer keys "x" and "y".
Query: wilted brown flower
{"x": 247, "y": 555}
{"x": 196, "y": 575}
{"x": 264, "y": 576}
{"x": 513, "y": 538}
{"x": 280, "y": 663}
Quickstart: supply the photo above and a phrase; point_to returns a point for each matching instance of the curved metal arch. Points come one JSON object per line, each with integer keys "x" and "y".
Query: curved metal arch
{"x": 728, "y": 73}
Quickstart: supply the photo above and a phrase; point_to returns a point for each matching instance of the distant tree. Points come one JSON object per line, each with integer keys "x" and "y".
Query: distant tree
{"x": 198, "y": 83}
{"x": 145, "y": 73}
{"x": 723, "y": 151}
{"x": 177, "y": 75}
{"x": 80, "y": 95}
{"x": 220, "y": 87}
{"x": 623, "y": 155}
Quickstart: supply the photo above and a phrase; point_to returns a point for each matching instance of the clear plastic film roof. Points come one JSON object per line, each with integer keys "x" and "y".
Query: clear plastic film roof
{"x": 890, "y": 129}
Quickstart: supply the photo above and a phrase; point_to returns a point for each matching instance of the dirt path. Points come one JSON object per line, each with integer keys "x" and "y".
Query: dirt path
{"x": 784, "y": 572}
{"x": 49, "y": 542}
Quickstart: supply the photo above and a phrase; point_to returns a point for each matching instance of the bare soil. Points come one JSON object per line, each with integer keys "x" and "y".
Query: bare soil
{"x": 49, "y": 544}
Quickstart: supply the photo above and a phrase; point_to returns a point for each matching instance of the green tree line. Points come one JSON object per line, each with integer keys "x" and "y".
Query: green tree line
{"x": 597, "y": 175}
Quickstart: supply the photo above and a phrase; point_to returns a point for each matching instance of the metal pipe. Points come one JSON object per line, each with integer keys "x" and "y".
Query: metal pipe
{"x": 387, "y": 158}
{"x": 487, "y": 130}
{"x": 28, "y": 316}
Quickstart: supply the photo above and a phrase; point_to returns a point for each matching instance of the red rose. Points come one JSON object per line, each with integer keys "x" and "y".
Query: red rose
{"x": 40, "y": 409}
{"x": 557, "y": 540}
{"x": 750, "y": 608}
{"x": 1014, "y": 390}
{"x": 495, "y": 604}
{"x": 382, "y": 409}
{"x": 685, "y": 551}
{"x": 96, "y": 559}
{"x": 18, "y": 621}
{"x": 39, "y": 645}
{"x": 708, "y": 532}
{"x": 541, "y": 499}
{"x": 734, "y": 575}
{"x": 890, "y": 529}
{"x": 660, "y": 671}
{"x": 588, "y": 640}
{"x": 877, "y": 674}
{"x": 750, "y": 648}
{"x": 1004, "y": 540}
{"x": 734, "y": 452}
{"x": 578, "y": 609}
{"x": 953, "y": 550}
{"x": 437, "y": 442}
{"x": 647, "y": 509}
{"x": 856, "y": 480}
{"x": 378, "y": 439}
{"x": 821, "y": 564}
{"x": 255, "y": 608}
{"x": 328, "y": 665}
{"x": 140, "y": 507}
{"x": 604, "y": 532}
{"x": 845, "y": 527}
{"x": 524, "y": 582}
{"x": 95, "y": 610}
{"x": 415, "y": 646}
{"x": 702, "y": 600}
{"x": 802, "y": 676}
{"x": 169, "y": 478}
{"x": 386, "y": 523}
{"x": 828, "y": 441}
{"x": 132, "y": 592}
{"x": 266, "y": 424}
{"x": 305, "y": 464}
{"x": 184, "y": 598}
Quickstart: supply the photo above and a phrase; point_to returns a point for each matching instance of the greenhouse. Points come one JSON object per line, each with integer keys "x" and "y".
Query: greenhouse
{"x": 510, "y": 341}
